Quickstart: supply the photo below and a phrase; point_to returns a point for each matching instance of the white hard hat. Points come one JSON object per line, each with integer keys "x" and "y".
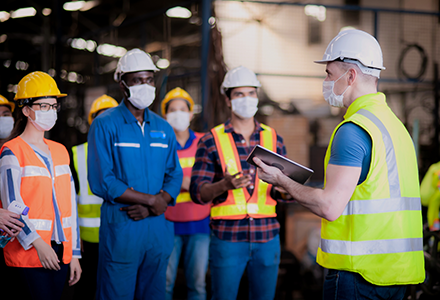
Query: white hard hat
{"x": 238, "y": 77}
{"x": 134, "y": 60}
{"x": 355, "y": 46}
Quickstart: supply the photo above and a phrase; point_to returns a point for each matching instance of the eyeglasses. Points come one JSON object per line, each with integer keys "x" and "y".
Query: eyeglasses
{"x": 47, "y": 106}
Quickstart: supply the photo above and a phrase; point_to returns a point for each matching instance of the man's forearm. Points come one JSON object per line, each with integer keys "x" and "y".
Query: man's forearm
{"x": 311, "y": 198}
{"x": 131, "y": 196}
{"x": 210, "y": 191}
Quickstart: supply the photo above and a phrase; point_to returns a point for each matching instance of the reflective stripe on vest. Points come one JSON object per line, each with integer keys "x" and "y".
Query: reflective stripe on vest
{"x": 183, "y": 197}
{"x": 39, "y": 189}
{"x": 239, "y": 204}
{"x": 379, "y": 234}
{"x": 185, "y": 210}
{"x": 89, "y": 205}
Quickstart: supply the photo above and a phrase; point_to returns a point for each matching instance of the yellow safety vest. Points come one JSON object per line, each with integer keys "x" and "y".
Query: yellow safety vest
{"x": 89, "y": 205}
{"x": 239, "y": 204}
{"x": 430, "y": 195}
{"x": 379, "y": 234}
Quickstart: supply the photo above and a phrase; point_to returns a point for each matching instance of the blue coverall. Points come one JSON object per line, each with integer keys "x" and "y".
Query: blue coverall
{"x": 122, "y": 154}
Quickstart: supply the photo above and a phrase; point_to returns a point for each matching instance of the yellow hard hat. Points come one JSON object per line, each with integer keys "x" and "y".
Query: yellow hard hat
{"x": 4, "y": 101}
{"x": 101, "y": 103}
{"x": 35, "y": 85}
{"x": 177, "y": 93}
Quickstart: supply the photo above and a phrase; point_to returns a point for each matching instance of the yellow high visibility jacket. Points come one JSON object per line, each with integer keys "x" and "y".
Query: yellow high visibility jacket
{"x": 430, "y": 195}
{"x": 379, "y": 234}
{"x": 239, "y": 204}
{"x": 89, "y": 205}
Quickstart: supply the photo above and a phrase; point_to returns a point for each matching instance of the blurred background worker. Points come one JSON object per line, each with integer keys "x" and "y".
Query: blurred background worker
{"x": 89, "y": 209}
{"x": 430, "y": 195}
{"x": 191, "y": 221}
{"x": 133, "y": 165}
{"x": 6, "y": 119}
{"x": 7, "y": 219}
{"x": 371, "y": 234}
{"x": 245, "y": 231}
{"x": 36, "y": 172}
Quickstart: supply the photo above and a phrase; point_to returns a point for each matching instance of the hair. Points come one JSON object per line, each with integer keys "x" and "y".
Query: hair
{"x": 19, "y": 125}
{"x": 369, "y": 79}
{"x": 228, "y": 93}
{"x": 168, "y": 104}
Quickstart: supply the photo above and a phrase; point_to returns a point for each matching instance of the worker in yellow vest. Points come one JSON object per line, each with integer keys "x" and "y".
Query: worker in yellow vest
{"x": 191, "y": 221}
{"x": 371, "y": 234}
{"x": 245, "y": 231}
{"x": 430, "y": 195}
{"x": 89, "y": 209}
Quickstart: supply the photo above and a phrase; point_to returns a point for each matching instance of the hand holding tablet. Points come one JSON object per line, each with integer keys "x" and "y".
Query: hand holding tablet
{"x": 294, "y": 170}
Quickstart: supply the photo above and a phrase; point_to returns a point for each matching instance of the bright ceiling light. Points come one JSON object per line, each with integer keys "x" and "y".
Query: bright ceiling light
{"x": 74, "y": 5}
{"x": 111, "y": 50}
{"x": 163, "y": 63}
{"x": 317, "y": 11}
{"x": 24, "y": 12}
{"x": 179, "y": 12}
{"x": 79, "y": 5}
{"x": 46, "y": 11}
{"x": 91, "y": 45}
{"x": 79, "y": 44}
{"x": 4, "y": 16}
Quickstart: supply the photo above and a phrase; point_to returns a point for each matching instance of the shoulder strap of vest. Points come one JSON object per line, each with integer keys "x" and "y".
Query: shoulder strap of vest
{"x": 227, "y": 151}
{"x": 268, "y": 138}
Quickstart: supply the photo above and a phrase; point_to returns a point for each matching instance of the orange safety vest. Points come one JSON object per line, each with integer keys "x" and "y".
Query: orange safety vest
{"x": 185, "y": 210}
{"x": 239, "y": 204}
{"x": 36, "y": 192}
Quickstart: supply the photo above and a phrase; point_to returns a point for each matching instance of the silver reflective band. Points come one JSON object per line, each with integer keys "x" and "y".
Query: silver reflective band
{"x": 360, "y": 207}
{"x": 41, "y": 224}
{"x": 160, "y": 145}
{"x": 62, "y": 170}
{"x": 132, "y": 145}
{"x": 89, "y": 222}
{"x": 67, "y": 222}
{"x": 89, "y": 199}
{"x": 393, "y": 175}
{"x": 30, "y": 171}
{"x": 82, "y": 169}
{"x": 371, "y": 247}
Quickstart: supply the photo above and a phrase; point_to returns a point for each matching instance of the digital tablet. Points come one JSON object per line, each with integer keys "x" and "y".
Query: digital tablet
{"x": 294, "y": 170}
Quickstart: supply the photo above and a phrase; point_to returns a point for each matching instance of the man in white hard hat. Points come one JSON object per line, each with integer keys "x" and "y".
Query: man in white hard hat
{"x": 245, "y": 232}
{"x": 371, "y": 236}
{"x": 133, "y": 165}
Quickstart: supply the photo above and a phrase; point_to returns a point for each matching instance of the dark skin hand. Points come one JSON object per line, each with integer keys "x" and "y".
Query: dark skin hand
{"x": 144, "y": 205}
{"x": 210, "y": 191}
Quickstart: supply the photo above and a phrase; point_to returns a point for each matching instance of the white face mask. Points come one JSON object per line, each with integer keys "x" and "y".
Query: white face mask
{"x": 179, "y": 120}
{"x": 6, "y": 126}
{"x": 329, "y": 94}
{"x": 245, "y": 107}
{"x": 142, "y": 95}
{"x": 44, "y": 120}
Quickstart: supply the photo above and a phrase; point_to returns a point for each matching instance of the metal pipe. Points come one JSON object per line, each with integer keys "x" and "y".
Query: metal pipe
{"x": 204, "y": 80}
{"x": 346, "y": 7}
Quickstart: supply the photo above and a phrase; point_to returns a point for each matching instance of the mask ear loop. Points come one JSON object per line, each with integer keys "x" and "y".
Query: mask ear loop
{"x": 345, "y": 88}
{"x": 127, "y": 91}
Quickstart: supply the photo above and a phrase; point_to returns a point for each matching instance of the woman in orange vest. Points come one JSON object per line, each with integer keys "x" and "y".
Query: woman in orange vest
{"x": 35, "y": 171}
{"x": 191, "y": 221}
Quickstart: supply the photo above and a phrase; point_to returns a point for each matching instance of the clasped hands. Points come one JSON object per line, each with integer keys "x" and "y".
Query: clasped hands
{"x": 155, "y": 205}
